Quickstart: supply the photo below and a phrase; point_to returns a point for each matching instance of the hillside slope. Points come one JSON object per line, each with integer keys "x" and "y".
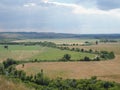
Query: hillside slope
{"x": 6, "y": 84}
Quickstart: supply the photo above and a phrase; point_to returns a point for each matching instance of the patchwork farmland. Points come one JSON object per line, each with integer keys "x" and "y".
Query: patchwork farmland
{"x": 106, "y": 70}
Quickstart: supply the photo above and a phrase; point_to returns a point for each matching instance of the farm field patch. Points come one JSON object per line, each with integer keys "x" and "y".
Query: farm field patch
{"x": 115, "y": 47}
{"x": 107, "y": 70}
{"x": 59, "y": 41}
{"x": 21, "y": 52}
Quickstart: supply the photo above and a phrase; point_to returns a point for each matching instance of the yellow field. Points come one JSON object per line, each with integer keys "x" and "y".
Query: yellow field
{"x": 103, "y": 69}
{"x": 115, "y": 47}
{"x": 59, "y": 41}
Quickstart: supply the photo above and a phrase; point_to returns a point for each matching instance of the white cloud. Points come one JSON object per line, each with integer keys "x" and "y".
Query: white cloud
{"x": 29, "y": 5}
{"x": 78, "y": 9}
{"x": 45, "y": 1}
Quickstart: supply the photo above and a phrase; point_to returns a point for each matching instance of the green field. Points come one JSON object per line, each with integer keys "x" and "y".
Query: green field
{"x": 21, "y": 52}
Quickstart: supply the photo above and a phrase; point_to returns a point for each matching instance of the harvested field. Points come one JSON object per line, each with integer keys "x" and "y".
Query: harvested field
{"x": 115, "y": 47}
{"x": 107, "y": 70}
{"x": 59, "y": 41}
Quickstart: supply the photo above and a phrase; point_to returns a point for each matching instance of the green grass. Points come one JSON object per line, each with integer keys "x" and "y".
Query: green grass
{"x": 18, "y": 52}
{"x": 19, "y": 47}
{"x": 21, "y": 52}
{"x": 55, "y": 54}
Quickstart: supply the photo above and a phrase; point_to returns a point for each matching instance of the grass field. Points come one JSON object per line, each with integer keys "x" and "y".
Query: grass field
{"x": 21, "y": 52}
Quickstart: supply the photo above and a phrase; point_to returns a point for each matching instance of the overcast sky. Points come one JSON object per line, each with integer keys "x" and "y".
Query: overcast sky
{"x": 61, "y": 16}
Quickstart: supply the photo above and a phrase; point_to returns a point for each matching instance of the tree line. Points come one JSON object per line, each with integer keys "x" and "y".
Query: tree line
{"x": 41, "y": 82}
{"x": 100, "y": 55}
{"x": 45, "y": 43}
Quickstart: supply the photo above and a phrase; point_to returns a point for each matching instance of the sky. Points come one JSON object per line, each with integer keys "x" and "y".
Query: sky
{"x": 60, "y": 16}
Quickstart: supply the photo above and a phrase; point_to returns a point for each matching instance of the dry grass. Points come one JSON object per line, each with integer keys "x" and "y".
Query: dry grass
{"x": 18, "y": 54}
{"x": 10, "y": 85}
{"x": 115, "y": 47}
{"x": 59, "y": 41}
{"x": 109, "y": 70}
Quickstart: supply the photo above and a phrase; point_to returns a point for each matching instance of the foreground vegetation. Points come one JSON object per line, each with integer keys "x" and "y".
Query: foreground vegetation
{"x": 7, "y": 83}
{"x": 40, "y": 82}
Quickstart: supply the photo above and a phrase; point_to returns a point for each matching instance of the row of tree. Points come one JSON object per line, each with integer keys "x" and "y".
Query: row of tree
{"x": 107, "y": 55}
{"x": 108, "y": 40}
{"x": 45, "y": 43}
{"x": 100, "y": 55}
{"x": 86, "y": 43}
{"x": 67, "y": 57}
{"x": 41, "y": 82}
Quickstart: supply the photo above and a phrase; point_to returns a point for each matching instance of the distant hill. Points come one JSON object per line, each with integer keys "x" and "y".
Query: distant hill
{"x": 39, "y": 35}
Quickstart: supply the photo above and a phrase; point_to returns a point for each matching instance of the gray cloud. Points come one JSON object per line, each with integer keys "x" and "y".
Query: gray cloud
{"x": 38, "y": 18}
{"x": 108, "y": 4}
{"x": 101, "y": 4}
{"x": 14, "y": 15}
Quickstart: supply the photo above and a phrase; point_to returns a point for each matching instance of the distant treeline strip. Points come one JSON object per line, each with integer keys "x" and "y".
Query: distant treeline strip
{"x": 45, "y": 43}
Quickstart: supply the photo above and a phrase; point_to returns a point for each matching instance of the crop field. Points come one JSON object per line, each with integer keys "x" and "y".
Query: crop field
{"x": 21, "y": 52}
{"x": 59, "y": 41}
{"x": 109, "y": 70}
{"x": 115, "y": 47}
{"x": 106, "y": 70}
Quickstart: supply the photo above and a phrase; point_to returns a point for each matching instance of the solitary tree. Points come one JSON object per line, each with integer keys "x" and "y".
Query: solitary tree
{"x": 23, "y": 65}
{"x": 67, "y": 57}
{"x": 90, "y": 50}
{"x": 6, "y": 47}
{"x": 86, "y": 58}
{"x": 111, "y": 55}
{"x": 82, "y": 50}
{"x": 96, "y": 42}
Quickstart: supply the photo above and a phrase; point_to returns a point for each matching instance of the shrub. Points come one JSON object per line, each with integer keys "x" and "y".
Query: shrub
{"x": 9, "y": 62}
{"x": 86, "y": 58}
